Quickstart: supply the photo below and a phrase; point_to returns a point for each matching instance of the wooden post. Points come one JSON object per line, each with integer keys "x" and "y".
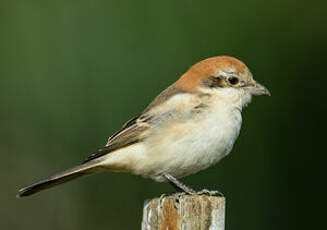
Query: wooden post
{"x": 186, "y": 212}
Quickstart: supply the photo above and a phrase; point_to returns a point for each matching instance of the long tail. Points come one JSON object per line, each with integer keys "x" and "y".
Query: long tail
{"x": 59, "y": 178}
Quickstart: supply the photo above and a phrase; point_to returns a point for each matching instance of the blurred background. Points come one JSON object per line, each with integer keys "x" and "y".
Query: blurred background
{"x": 72, "y": 72}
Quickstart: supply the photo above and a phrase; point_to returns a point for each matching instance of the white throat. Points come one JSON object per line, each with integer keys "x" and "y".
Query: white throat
{"x": 230, "y": 97}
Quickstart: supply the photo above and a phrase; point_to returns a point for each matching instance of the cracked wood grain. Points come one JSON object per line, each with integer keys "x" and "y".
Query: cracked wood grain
{"x": 186, "y": 212}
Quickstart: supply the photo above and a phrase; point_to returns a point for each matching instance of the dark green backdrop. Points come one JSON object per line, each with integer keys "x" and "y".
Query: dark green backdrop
{"x": 72, "y": 72}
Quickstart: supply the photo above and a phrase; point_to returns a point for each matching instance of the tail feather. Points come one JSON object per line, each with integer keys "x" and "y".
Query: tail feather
{"x": 59, "y": 178}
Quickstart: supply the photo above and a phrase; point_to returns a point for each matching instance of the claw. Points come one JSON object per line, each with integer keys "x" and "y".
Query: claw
{"x": 163, "y": 196}
{"x": 210, "y": 193}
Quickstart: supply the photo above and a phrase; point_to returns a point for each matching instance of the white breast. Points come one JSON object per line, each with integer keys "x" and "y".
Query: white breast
{"x": 181, "y": 145}
{"x": 191, "y": 146}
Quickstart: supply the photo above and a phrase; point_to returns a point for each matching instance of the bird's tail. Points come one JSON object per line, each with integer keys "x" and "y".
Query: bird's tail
{"x": 59, "y": 178}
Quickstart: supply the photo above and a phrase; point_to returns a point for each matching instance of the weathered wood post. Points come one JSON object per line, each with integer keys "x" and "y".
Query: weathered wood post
{"x": 186, "y": 212}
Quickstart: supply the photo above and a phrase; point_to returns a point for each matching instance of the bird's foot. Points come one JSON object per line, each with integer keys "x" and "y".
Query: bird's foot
{"x": 178, "y": 195}
{"x": 210, "y": 193}
{"x": 174, "y": 195}
{"x": 164, "y": 195}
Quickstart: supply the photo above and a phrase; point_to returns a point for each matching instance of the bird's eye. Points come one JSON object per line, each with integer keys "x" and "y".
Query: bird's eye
{"x": 233, "y": 80}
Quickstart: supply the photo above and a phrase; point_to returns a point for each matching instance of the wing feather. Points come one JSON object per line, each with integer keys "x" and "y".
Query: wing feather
{"x": 132, "y": 132}
{"x": 136, "y": 128}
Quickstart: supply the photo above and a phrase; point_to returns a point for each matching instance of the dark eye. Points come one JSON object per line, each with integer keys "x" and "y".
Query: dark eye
{"x": 233, "y": 80}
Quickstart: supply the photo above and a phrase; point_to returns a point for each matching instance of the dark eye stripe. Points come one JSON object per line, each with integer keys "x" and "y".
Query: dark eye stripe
{"x": 213, "y": 82}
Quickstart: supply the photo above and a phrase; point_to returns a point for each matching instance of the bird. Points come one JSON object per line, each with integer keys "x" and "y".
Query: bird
{"x": 188, "y": 127}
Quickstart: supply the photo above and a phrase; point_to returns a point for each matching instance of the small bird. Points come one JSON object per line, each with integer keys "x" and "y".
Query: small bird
{"x": 188, "y": 127}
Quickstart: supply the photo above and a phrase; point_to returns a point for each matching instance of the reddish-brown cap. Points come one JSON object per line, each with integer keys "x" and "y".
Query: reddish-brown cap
{"x": 209, "y": 67}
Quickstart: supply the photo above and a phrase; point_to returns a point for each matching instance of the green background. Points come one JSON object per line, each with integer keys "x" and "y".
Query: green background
{"x": 72, "y": 72}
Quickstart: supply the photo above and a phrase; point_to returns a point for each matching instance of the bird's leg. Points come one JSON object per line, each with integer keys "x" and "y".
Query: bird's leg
{"x": 179, "y": 186}
{"x": 182, "y": 188}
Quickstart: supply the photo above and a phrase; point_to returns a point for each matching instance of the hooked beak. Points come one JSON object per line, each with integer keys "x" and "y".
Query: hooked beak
{"x": 258, "y": 90}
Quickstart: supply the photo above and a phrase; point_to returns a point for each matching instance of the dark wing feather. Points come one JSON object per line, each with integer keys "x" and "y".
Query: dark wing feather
{"x": 125, "y": 126}
{"x": 131, "y": 132}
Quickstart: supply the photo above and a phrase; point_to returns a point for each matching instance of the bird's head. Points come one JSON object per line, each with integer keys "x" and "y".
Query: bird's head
{"x": 226, "y": 77}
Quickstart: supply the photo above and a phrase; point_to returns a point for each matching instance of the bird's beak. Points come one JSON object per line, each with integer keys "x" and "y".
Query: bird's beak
{"x": 258, "y": 90}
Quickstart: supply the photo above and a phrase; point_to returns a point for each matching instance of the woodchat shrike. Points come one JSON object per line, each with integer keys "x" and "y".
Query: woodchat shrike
{"x": 188, "y": 127}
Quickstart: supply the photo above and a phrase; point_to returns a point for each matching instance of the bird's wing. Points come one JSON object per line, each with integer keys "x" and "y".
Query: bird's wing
{"x": 136, "y": 129}
{"x": 132, "y": 132}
